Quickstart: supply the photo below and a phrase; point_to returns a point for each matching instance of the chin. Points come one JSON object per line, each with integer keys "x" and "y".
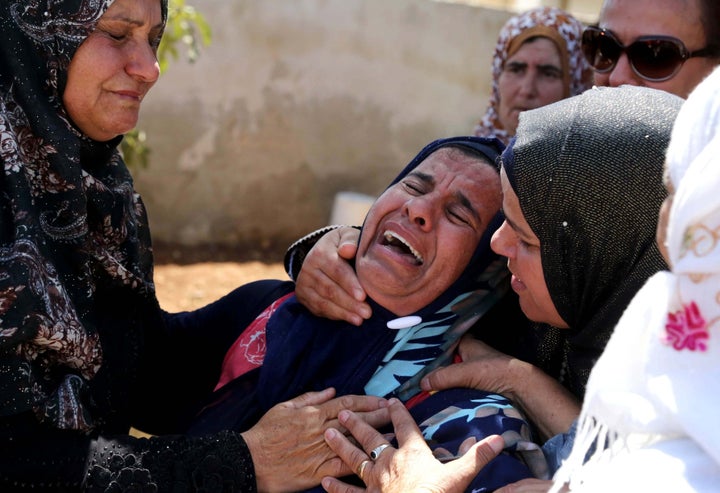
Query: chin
{"x": 530, "y": 311}
{"x": 105, "y": 137}
{"x": 123, "y": 129}
{"x": 115, "y": 132}
{"x": 122, "y": 123}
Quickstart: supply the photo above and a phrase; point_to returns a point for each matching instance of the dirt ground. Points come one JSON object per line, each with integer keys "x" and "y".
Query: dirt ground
{"x": 188, "y": 278}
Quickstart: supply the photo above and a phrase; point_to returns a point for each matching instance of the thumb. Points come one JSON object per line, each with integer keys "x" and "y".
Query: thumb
{"x": 456, "y": 375}
{"x": 347, "y": 249}
{"x": 474, "y": 460}
{"x": 347, "y": 242}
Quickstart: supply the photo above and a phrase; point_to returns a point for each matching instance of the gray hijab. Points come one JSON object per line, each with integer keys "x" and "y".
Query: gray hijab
{"x": 588, "y": 174}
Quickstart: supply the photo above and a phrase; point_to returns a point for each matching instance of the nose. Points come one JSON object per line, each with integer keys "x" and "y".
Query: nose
{"x": 623, "y": 73}
{"x": 420, "y": 211}
{"x": 501, "y": 241}
{"x": 528, "y": 85}
{"x": 142, "y": 63}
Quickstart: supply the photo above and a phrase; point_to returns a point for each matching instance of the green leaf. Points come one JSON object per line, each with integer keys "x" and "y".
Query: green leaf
{"x": 188, "y": 30}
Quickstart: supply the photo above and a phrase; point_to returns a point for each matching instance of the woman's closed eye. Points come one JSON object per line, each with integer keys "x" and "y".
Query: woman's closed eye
{"x": 415, "y": 187}
{"x": 459, "y": 215}
{"x": 115, "y": 35}
{"x": 122, "y": 32}
{"x": 155, "y": 42}
{"x": 527, "y": 243}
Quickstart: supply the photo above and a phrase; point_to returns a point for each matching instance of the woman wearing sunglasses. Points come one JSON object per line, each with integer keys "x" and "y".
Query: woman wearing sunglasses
{"x": 665, "y": 44}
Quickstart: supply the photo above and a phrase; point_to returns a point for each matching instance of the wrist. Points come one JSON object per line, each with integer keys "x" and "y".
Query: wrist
{"x": 520, "y": 375}
{"x": 253, "y": 444}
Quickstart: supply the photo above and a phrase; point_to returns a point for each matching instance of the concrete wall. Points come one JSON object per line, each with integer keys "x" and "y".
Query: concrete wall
{"x": 296, "y": 100}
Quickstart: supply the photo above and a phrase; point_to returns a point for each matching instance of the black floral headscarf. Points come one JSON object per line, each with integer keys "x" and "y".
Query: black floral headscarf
{"x": 70, "y": 223}
{"x": 588, "y": 175}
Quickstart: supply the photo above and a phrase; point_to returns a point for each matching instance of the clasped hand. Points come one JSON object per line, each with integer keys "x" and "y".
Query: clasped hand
{"x": 287, "y": 444}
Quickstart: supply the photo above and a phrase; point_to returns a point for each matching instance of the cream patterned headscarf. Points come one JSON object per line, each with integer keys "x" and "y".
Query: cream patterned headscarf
{"x": 654, "y": 395}
{"x": 562, "y": 29}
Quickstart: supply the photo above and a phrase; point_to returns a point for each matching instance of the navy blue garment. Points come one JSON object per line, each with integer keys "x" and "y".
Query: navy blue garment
{"x": 305, "y": 353}
{"x": 447, "y": 417}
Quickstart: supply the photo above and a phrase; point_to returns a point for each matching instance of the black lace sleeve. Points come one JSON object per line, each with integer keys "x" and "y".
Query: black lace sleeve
{"x": 296, "y": 253}
{"x": 35, "y": 458}
{"x": 217, "y": 463}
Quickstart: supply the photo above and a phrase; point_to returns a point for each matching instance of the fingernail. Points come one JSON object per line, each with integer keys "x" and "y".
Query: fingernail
{"x": 425, "y": 384}
{"x": 343, "y": 415}
{"x": 331, "y": 433}
{"x": 497, "y": 443}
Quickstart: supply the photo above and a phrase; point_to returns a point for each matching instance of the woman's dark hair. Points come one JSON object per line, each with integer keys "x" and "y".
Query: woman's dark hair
{"x": 710, "y": 18}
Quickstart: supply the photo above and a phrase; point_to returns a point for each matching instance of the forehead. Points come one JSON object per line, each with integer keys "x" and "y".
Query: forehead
{"x": 135, "y": 10}
{"x": 540, "y": 49}
{"x": 452, "y": 168}
{"x": 632, "y": 18}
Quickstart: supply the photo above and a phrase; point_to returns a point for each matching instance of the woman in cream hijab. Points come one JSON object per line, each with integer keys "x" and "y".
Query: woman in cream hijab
{"x": 653, "y": 396}
{"x": 537, "y": 60}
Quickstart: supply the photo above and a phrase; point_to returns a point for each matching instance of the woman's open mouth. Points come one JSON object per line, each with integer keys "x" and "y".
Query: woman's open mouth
{"x": 400, "y": 244}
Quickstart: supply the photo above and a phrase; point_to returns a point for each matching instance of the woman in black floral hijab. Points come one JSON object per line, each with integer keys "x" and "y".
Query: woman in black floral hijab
{"x": 85, "y": 351}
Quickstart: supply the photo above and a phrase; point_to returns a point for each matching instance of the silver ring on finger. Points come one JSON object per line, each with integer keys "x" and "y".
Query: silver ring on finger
{"x": 378, "y": 450}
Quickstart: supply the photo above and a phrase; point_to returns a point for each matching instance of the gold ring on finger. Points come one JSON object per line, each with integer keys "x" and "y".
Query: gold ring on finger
{"x": 361, "y": 468}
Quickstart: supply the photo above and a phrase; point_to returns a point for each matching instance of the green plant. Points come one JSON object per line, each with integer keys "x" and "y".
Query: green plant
{"x": 186, "y": 28}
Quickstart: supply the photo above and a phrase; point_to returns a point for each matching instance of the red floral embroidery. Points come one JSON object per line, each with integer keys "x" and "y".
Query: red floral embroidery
{"x": 686, "y": 329}
{"x": 248, "y": 350}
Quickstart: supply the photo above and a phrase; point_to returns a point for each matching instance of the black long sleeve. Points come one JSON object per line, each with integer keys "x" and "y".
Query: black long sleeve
{"x": 155, "y": 372}
{"x": 34, "y": 458}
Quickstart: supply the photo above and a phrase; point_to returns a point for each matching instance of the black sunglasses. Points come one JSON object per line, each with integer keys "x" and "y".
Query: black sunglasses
{"x": 654, "y": 58}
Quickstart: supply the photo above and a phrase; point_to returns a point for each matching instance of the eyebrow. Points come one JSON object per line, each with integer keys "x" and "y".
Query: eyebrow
{"x": 549, "y": 66}
{"x": 544, "y": 66}
{"x": 429, "y": 179}
{"x": 134, "y": 22}
{"x": 519, "y": 231}
{"x": 459, "y": 195}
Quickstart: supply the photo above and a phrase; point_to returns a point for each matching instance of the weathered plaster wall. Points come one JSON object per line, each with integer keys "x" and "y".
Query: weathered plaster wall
{"x": 296, "y": 100}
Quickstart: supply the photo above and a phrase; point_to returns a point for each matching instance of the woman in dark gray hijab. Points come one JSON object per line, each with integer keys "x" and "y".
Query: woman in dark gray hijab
{"x": 588, "y": 178}
{"x": 582, "y": 186}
